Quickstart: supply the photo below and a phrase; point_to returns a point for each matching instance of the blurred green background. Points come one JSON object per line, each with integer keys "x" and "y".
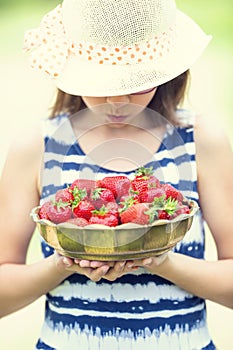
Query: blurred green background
{"x": 215, "y": 66}
{"x": 214, "y": 16}
{"x": 25, "y": 97}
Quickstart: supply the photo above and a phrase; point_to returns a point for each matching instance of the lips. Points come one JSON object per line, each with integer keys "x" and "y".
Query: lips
{"x": 117, "y": 118}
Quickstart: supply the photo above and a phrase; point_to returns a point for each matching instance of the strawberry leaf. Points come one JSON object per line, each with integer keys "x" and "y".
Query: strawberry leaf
{"x": 142, "y": 171}
{"x": 100, "y": 212}
{"x": 96, "y": 193}
{"x": 60, "y": 204}
{"x": 171, "y": 205}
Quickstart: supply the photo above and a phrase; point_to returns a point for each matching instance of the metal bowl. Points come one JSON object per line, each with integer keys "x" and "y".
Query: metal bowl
{"x": 123, "y": 242}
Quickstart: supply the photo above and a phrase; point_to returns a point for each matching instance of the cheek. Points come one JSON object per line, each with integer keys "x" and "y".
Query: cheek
{"x": 144, "y": 100}
{"x": 93, "y": 101}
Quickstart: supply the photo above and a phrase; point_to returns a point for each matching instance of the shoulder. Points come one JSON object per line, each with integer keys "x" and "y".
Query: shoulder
{"x": 25, "y": 153}
{"x": 215, "y": 187}
{"x": 213, "y": 156}
{"x": 28, "y": 141}
{"x": 208, "y": 133}
{"x": 210, "y": 137}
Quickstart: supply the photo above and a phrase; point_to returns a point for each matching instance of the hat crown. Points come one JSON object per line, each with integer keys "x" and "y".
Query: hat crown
{"x": 109, "y": 22}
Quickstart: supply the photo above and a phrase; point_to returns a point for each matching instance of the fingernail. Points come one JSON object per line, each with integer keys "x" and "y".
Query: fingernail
{"x": 135, "y": 267}
{"x": 105, "y": 269}
{"x": 148, "y": 261}
{"x": 66, "y": 262}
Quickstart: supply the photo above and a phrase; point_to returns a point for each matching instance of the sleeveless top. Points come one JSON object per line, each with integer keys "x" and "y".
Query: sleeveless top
{"x": 139, "y": 310}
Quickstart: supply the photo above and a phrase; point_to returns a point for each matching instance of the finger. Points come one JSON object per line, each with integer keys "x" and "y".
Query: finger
{"x": 98, "y": 273}
{"x": 154, "y": 261}
{"x": 68, "y": 262}
{"x": 119, "y": 266}
{"x": 116, "y": 271}
{"x": 92, "y": 263}
{"x": 96, "y": 264}
{"x": 130, "y": 268}
{"x": 130, "y": 264}
{"x": 62, "y": 262}
{"x": 66, "y": 265}
{"x": 85, "y": 263}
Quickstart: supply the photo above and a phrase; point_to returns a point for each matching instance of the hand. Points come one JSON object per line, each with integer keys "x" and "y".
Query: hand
{"x": 154, "y": 262}
{"x": 110, "y": 270}
{"x": 151, "y": 264}
{"x": 119, "y": 268}
{"x": 94, "y": 270}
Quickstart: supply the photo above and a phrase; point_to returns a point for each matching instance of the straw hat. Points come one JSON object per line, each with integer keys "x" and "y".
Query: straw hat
{"x": 114, "y": 47}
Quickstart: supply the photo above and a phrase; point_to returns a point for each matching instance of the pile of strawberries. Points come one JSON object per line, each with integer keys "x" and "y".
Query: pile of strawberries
{"x": 115, "y": 200}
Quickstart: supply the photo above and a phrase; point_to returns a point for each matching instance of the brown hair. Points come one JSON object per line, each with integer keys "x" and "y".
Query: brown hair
{"x": 166, "y": 100}
{"x": 170, "y": 96}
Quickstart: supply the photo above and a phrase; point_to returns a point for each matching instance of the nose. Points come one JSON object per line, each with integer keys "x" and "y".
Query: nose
{"x": 118, "y": 101}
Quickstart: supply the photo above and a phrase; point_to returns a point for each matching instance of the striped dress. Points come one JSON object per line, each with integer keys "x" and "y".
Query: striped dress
{"x": 139, "y": 310}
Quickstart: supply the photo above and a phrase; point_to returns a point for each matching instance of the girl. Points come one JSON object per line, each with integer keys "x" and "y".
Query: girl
{"x": 121, "y": 68}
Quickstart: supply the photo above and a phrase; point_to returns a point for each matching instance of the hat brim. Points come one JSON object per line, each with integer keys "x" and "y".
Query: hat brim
{"x": 92, "y": 79}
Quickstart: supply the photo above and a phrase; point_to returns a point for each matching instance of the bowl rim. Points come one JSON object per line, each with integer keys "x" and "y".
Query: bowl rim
{"x": 35, "y": 217}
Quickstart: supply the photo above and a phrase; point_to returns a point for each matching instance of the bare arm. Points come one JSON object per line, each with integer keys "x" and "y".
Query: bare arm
{"x": 21, "y": 284}
{"x": 211, "y": 280}
{"x": 207, "y": 279}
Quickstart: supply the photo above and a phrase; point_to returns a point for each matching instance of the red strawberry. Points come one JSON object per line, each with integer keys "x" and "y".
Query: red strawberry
{"x": 136, "y": 213}
{"x": 144, "y": 179}
{"x": 43, "y": 211}
{"x": 183, "y": 209}
{"x": 128, "y": 200}
{"x": 79, "y": 193}
{"x": 78, "y": 221}
{"x": 64, "y": 195}
{"x": 83, "y": 210}
{"x": 163, "y": 208}
{"x": 139, "y": 185}
{"x": 105, "y": 216}
{"x": 82, "y": 184}
{"x": 172, "y": 192}
{"x": 112, "y": 208}
{"x": 59, "y": 212}
{"x": 163, "y": 215}
{"x": 151, "y": 193}
{"x": 110, "y": 220}
{"x": 119, "y": 184}
{"x": 101, "y": 196}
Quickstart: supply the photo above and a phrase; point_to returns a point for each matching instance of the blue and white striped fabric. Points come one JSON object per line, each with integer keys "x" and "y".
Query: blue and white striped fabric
{"x": 138, "y": 310}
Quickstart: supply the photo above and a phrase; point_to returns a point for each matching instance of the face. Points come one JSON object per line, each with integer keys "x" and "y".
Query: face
{"x": 119, "y": 110}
